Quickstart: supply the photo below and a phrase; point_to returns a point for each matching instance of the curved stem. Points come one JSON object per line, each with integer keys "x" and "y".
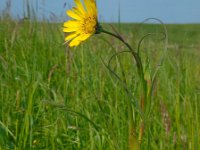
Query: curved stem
{"x": 135, "y": 54}
{"x": 133, "y": 142}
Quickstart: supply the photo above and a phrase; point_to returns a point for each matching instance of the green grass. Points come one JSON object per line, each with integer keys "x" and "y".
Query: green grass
{"x": 52, "y": 98}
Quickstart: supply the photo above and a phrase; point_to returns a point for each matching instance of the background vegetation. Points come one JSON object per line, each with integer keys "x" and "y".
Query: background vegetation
{"x": 52, "y": 97}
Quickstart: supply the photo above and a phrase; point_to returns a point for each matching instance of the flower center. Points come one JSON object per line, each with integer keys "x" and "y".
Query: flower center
{"x": 89, "y": 25}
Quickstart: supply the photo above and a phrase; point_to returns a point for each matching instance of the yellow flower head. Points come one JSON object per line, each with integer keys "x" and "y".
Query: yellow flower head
{"x": 84, "y": 23}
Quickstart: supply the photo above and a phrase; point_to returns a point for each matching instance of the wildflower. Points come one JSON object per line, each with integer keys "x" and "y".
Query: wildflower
{"x": 84, "y": 23}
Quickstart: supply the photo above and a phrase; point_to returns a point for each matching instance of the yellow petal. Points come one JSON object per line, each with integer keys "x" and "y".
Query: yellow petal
{"x": 71, "y": 23}
{"x": 94, "y": 7}
{"x": 88, "y": 6}
{"x": 71, "y": 36}
{"x": 84, "y": 37}
{"x": 79, "y": 6}
{"x": 75, "y": 42}
{"x": 73, "y": 15}
{"x": 77, "y": 11}
{"x": 73, "y": 29}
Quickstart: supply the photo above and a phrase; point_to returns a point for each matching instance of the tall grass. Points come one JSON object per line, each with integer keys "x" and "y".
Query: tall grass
{"x": 55, "y": 98}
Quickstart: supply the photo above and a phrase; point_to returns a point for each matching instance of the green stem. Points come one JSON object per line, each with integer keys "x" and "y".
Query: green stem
{"x": 135, "y": 55}
{"x": 133, "y": 142}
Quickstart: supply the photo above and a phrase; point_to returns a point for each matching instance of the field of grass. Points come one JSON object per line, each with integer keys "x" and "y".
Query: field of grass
{"x": 56, "y": 98}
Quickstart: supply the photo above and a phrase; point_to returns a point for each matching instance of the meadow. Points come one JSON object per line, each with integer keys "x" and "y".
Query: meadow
{"x": 56, "y": 98}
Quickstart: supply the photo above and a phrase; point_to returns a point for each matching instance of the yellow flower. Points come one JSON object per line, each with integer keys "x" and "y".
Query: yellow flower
{"x": 84, "y": 23}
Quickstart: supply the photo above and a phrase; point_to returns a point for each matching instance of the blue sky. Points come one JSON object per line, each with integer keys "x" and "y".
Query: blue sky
{"x": 169, "y": 11}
